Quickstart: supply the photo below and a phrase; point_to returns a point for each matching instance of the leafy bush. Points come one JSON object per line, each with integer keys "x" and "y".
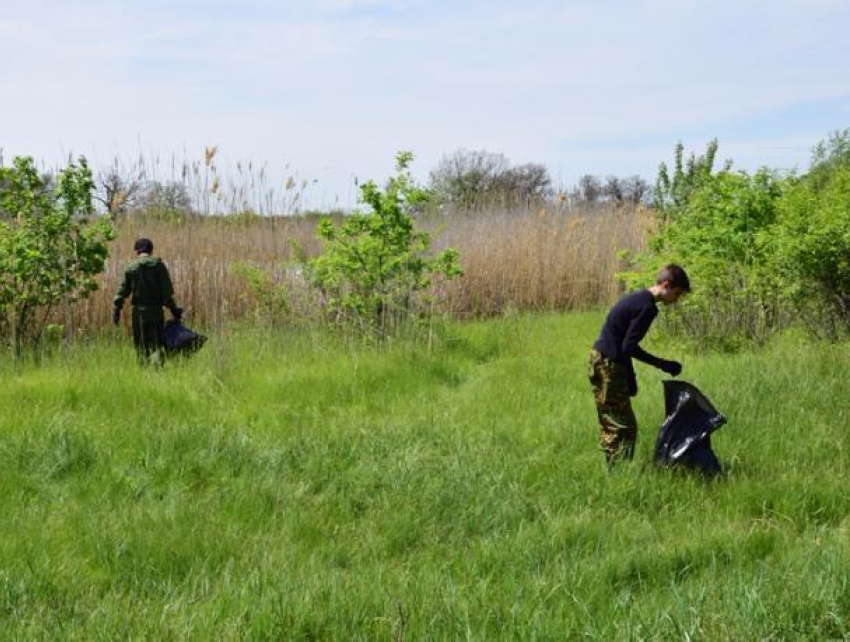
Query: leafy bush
{"x": 50, "y": 251}
{"x": 674, "y": 192}
{"x": 374, "y": 265}
{"x": 810, "y": 248}
{"x": 717, "y": 233}
{"x": 271, "y": 297}
{"x": 763, "y": 251}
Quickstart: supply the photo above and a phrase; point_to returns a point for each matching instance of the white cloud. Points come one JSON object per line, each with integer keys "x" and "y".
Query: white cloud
{"x": 336, "y": 86}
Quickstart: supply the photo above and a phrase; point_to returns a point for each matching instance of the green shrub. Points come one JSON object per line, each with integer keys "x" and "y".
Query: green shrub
{"x": 810, "y": 248}
{"x": 717, "y": 234}
{"x": 374, "y": 269}
{"x": 673, "y": 192}
{"x": 50, "y": 250}
{"x": 271, "y": 297}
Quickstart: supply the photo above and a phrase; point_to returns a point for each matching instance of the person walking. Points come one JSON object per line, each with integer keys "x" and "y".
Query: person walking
{"x": 148, "y": 282}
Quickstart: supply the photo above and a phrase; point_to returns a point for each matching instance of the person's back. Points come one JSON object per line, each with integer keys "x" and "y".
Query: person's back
{"x": 612, "y": 373}
{"x": 626, "y": 324}
{"x": 148, "y": 284}
{"x": 150, "y": 281}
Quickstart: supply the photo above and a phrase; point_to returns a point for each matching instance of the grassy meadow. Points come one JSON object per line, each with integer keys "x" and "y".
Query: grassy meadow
{"x": 298, "y": 485}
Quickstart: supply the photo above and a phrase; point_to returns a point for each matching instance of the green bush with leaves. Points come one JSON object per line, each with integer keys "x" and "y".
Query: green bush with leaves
{"x": 51, "y": 245}
{"x": 810, "y": 248}
{"x": 374, "y": 270}
{"x": 673, "y": 190}
{"x": 718, "y": 235}
{"x": 271, "y": 297}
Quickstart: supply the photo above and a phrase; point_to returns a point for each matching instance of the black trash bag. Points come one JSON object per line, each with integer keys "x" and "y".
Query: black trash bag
{"x": 685, "y": 436}
{"x": 178, "y": 339}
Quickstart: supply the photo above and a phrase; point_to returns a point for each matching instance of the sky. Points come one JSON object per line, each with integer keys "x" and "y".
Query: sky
{"x": 330, "y": 90}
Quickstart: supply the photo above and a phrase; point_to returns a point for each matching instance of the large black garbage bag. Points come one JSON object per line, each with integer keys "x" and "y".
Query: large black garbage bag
{"x": 685, "y": 436}
{"x": 179, "y": 339}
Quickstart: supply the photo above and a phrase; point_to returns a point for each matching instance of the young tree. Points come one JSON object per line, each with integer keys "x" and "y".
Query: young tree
{"x": 674, "y": 192}
{"x": 50, "y": 249}
{"x": 375, "y": 264}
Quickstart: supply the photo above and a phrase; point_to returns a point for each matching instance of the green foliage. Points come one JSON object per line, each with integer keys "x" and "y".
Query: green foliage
{"x": 291, "y": 486}
{"x": 810, "y": 247}
{"x": 272, "y": 297}
{"x": 374, "y": 267}
{"x": 762, "y": 250}
{"x": 674, "y": 192}
{"x": 827, "y": 156}
{"x": 717, "y": 234}
{"x": 50, "y": 249}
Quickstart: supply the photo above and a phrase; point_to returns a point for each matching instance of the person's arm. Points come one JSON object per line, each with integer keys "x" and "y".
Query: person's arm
{"x": 638, "y": 327}
{"x": 636, "y": 332}
{"x": 124, "y": 290}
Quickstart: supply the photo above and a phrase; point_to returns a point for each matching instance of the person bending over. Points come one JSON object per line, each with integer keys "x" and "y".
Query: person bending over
{"x": 612, "y": 373}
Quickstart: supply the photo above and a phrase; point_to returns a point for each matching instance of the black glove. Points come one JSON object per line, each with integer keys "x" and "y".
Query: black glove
{"x": 672, "y": 368}
{"x": 177, "y": 313}
{"x": 116, "y": 315}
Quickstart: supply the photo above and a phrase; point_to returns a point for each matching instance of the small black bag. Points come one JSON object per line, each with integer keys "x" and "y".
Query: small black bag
{"x": 178, "y": 339}
{"x": 685, "y": 436}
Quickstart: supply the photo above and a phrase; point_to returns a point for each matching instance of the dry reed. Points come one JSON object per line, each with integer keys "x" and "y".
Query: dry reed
{"x": 541, "y": 259}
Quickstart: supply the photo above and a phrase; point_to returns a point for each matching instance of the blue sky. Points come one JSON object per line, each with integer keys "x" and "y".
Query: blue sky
{"x": 334, "y": 87}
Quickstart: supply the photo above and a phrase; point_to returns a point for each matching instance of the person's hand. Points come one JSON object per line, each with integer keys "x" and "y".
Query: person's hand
{"x": 672, "y": 368}
{"x": 116, "y": 315}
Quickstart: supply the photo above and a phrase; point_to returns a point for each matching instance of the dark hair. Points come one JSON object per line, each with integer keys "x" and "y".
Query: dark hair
{"x": 143, "y": 246}
{"x": 677, "y": 277}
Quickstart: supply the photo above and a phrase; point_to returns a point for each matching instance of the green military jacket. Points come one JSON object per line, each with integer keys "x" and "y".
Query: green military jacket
{"x": 149, "y": 283}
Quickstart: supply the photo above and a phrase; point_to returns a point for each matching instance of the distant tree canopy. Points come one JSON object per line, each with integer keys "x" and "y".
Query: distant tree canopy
{"x": 122, "y": 192}
{"x": 592, "y": 190}
{"x": 164, "y": 200}
{"x": 471, "y": 179}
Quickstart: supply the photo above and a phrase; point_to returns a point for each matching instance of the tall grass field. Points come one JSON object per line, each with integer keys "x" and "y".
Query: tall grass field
{"x": 297, "y": 485}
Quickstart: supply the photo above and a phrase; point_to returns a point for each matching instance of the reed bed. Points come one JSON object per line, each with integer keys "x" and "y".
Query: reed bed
{"x": 539, "y": 259}
{"x": 527, "y": 259}
{"x": 201, "y": 254}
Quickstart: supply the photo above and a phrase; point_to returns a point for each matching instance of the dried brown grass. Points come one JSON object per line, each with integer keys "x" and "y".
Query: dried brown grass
{"x": 537, "y": 259}
{"x": 547, "y": 258}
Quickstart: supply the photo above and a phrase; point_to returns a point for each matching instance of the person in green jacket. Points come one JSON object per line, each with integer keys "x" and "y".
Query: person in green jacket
{"x": 147, "y": 280}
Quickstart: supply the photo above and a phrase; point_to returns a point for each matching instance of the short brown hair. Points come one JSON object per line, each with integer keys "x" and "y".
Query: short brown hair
{"x": 144, "y": 246}
{"x": 676, "y": 275}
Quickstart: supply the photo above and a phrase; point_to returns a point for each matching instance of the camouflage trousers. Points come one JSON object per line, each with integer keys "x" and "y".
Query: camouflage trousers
{"x": 617, "y": 422}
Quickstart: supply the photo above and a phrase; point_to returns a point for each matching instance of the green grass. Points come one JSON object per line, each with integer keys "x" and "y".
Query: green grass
{"x": 297, "y": 486}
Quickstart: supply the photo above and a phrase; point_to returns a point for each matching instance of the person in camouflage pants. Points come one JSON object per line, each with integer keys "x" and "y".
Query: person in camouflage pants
{"x": 148, "y": 282}
{"x": 617, "y": 421}
{"x": 612, "y": 373}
